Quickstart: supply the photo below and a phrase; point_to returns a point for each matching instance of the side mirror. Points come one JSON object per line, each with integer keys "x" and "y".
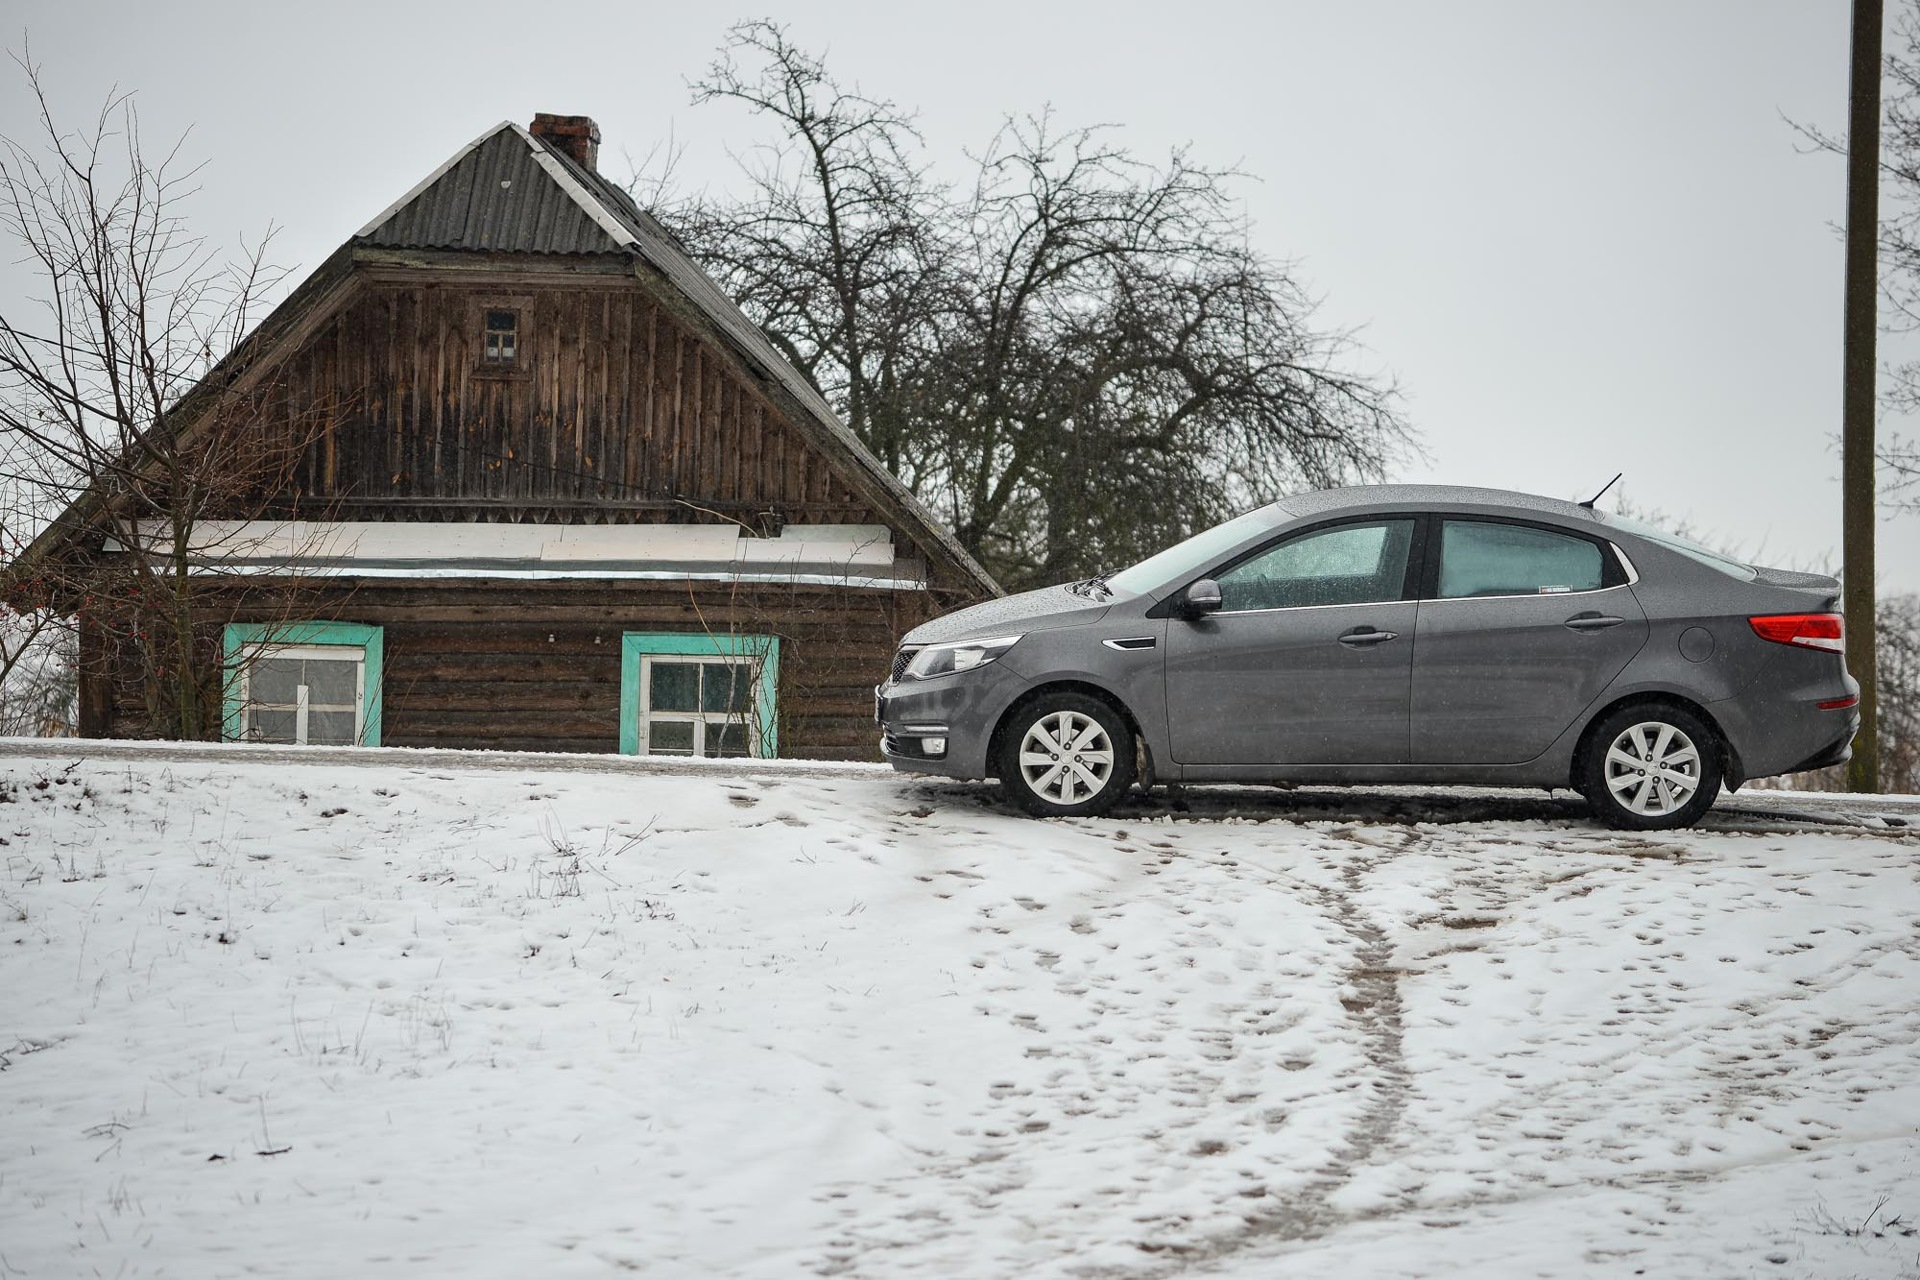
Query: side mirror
{"x": 1202, "y": 598}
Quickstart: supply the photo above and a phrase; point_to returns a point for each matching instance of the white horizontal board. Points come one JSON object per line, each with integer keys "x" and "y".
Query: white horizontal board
{"x": 233, "y": 543}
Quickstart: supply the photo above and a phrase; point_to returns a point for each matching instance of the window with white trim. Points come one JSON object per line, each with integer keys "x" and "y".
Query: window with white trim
{"x": 693, "y": 705}
{"x": 698, "y": 694}
{"x": 502, "y": 345}
{"x": 307, "y": 694}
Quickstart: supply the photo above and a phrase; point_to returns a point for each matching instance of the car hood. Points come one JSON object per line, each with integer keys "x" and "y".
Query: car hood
{"x": 1041, "y": 610}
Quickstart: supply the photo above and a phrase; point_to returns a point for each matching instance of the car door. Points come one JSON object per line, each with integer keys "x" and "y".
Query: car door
{"x": 1307, "y": 661}
{"x": 1520, "y": 628}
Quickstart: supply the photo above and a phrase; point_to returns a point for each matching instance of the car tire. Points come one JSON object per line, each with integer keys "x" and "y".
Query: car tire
{"x": 1066, "y": 755}
{"x": 1650, "y": 767}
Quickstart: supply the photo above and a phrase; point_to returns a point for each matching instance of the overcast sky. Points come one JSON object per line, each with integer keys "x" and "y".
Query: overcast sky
{"x": 1580, "y": 236}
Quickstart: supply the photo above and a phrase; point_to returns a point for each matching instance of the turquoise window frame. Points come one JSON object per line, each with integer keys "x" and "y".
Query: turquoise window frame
{"x": 635, "y": 644}
{"x": 370, "y": 640}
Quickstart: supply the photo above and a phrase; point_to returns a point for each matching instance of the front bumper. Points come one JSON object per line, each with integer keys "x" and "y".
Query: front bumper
{"x": 908, "y": 740}
{"x": 962, "y": 708}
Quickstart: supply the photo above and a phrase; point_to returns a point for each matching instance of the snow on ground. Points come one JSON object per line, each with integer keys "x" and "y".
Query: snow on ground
{"x": 265, "y": 1017}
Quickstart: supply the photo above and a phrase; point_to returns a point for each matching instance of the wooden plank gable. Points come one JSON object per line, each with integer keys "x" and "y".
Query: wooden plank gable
{"x": 614, "y": 404}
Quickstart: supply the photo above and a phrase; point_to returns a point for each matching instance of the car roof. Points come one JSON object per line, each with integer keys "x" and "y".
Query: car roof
{"x": 1368, "y": 497}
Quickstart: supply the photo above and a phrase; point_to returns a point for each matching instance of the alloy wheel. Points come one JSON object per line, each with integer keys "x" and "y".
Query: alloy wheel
{"x": 1652, "y": 768}
{"x": 1066, "y": 757}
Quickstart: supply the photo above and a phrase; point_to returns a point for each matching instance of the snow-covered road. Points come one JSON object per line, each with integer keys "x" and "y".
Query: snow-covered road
{"x": 289, "y": 1017}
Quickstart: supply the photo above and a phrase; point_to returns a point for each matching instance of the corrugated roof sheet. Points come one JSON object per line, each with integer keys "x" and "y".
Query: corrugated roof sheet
{"x": 495, "y": 196}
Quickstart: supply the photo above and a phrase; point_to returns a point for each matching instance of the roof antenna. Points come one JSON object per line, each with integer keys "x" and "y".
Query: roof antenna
{"x": 1588, "y": 504}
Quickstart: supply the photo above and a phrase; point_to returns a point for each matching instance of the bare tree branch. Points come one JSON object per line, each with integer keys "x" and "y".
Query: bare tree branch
{"x": 1075, "y": 356}
{"x": 110, "y": 396}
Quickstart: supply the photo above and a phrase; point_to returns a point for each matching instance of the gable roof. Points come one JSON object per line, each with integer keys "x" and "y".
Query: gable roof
{"x": 509, "y": 191}
{"x": 505, "y": 191}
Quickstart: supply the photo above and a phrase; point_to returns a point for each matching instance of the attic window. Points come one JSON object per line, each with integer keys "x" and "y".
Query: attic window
{"x": 503, "y": 338}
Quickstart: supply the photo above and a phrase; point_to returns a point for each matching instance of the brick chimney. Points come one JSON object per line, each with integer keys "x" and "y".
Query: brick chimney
{"x": 578, "y": 136}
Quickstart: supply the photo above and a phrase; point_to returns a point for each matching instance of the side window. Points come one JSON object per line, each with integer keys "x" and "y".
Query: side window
{"x": 1349, "y": 564}
{"x": 303, "y": 683}
{"x": 1478, "y": 558}
{"x": 696, "y": 694}
{"x": 302, "y": 694}
{"x": 693, "y": 706}
{"x": 502, "y": 339}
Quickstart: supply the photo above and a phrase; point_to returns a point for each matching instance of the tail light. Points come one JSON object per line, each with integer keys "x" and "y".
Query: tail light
{"x": 1826, "y": 631}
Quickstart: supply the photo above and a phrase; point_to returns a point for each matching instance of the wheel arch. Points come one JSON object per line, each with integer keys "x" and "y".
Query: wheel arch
{"x": 1730, "y": 769}
{"x": 1084, "y": 687}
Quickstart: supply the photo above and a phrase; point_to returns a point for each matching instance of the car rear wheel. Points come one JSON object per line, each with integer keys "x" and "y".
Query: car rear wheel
{"x": 1066, "y": 755}
{"x": 1650, "y": 767}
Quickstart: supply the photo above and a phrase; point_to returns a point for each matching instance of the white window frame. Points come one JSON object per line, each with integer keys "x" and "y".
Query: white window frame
{"x": 749, "y": 715}
{"x": 500, "y": 348}
{"x": 253, "y": 653}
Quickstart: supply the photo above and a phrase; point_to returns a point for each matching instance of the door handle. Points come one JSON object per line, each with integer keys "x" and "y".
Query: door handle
{"x": 1361, "y": 636}
{"x": 1592, "y": 622}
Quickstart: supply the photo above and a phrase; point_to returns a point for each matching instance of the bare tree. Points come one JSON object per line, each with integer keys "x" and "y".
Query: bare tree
{"x": 1899, "y": 247}
{"x": 1075, "y": 356}
{"x": 1900, "y": 475}
{"x": 1899, "y": 669}
{"x": 38, "y": 655}
{"x": 123, "y": 424}
{"x": 35, "y": 677}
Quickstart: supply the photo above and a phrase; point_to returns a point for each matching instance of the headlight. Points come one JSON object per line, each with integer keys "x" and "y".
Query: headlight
{"x": 961, "y": 655}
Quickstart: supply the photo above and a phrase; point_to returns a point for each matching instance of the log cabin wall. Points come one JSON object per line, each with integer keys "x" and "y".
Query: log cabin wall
{"x": 536, "y": 666}
{"x": 614, "y": 410}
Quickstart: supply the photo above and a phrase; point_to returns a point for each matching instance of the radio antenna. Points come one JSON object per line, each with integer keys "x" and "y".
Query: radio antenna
{"x": 1588, "y": 504}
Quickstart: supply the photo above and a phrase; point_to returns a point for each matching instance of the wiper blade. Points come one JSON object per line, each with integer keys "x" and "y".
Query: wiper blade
{"x": 1087, "y": 586}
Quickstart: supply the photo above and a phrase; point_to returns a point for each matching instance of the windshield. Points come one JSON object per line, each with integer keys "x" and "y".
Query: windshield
{"x": 1674, "y": 542}
{"x": 1183, "y": 558}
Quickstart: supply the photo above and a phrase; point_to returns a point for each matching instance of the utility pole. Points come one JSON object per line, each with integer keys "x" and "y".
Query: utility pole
{"x": 1858, "y": 401}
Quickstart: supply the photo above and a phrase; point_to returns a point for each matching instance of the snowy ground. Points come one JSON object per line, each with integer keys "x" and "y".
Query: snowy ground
{"x": 260, "y": 1016}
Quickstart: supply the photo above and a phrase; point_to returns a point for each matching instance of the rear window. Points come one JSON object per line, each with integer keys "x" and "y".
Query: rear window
{"x": 1692, "y": 550}
{"x": 1478, "y": 558}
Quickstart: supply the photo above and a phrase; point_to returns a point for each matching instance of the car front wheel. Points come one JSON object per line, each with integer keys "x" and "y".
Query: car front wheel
{"x": 1066, "y": 755}
{"x": 1651, "y": 767}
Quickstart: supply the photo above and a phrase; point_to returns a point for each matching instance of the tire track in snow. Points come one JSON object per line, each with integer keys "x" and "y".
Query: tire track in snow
{"x": 1754, "y": 1053}
{"x": 1376, "y": 1007}
{"x": 1122, "y": 1037}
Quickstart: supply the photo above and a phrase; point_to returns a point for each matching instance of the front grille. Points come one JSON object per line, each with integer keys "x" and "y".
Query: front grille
{"x": 901, "y": 661}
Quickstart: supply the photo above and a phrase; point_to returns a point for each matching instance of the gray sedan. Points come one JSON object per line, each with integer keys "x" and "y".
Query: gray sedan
{"x": 1390, "y": 634}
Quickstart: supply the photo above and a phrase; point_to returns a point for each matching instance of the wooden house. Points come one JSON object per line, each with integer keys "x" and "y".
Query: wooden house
{"x": 562, "y": 496}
